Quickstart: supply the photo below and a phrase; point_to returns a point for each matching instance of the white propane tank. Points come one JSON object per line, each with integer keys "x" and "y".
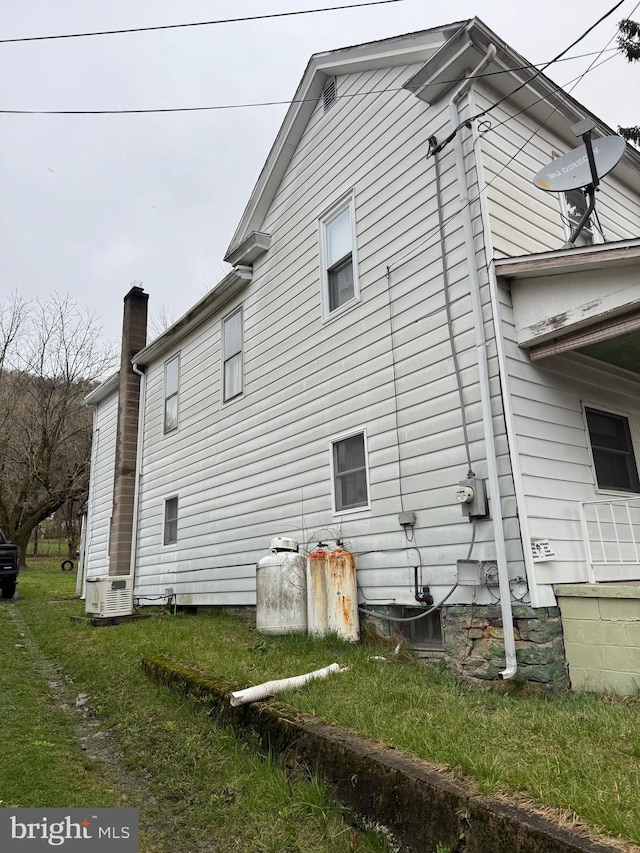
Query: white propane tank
{"x": 281, "y": 589}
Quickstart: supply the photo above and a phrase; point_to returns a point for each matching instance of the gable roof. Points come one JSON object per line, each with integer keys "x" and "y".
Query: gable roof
{"x": 446, "y": 55}
{"x": 399, "y": 50}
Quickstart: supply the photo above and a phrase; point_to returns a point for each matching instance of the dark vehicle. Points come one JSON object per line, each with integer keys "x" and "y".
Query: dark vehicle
{"x": 8, "y": 567}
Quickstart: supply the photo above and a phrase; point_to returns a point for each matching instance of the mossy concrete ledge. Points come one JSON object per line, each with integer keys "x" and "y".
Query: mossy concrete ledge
{"x": 419, "y": 804}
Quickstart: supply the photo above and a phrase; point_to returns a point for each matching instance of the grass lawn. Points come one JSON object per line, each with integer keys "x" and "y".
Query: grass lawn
{"x": 579, "y": 753}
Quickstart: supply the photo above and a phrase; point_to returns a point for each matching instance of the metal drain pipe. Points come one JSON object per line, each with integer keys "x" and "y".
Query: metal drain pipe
{"x": 483, "y": 374}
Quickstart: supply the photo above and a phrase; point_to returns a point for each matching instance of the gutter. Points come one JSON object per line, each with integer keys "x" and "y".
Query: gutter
{"x": 483, "y": 371}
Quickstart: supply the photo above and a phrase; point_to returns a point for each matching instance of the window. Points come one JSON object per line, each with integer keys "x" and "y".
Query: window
{"x": 339, "y": 273}
{"x": 574, "y": 207}
{"x": 171, "y": 382}
{"x": 232, "y": 355}
{"x": 612, "y": 451}
{"x": 171, "y": 521}
{"x": 350, "y": 479}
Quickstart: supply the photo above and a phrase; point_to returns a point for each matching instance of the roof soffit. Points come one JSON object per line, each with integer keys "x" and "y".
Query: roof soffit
{"x": 542, "y": 99}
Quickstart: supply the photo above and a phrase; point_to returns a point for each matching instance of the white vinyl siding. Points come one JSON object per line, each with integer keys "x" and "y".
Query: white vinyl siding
{"x": 525, "y": 219}
{"x": 100, "y": 504}
{"x": 262, "y": 467}
{"x": 552, "y": 441}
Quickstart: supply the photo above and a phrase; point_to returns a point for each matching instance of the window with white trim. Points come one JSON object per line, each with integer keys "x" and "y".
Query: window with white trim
{"x": 612, "y": 451}
{"x": 232, "y": 366}
{"x": 171, "y": 388}
{"x": 338, "y": 257}
{"x": 170, "y": 521}
{"x": 350, "y": 474}
{"x": 574, "y": 206}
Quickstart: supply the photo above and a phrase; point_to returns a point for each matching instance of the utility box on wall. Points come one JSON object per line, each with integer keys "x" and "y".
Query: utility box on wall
{"x": 477, "y": 573}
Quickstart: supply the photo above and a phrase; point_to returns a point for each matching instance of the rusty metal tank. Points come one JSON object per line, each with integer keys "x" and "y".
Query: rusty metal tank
{"x": 332, "y": 595}
{"x": 317, "y": 570}
{"x": 342, "y": 596}
{"x": 281, "y": 590}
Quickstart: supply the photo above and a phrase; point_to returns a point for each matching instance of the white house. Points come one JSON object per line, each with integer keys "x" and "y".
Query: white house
{"x": 402, "y": 324}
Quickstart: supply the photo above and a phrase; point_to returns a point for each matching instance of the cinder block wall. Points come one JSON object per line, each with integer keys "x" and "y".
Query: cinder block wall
{"x": 601, "y": 624}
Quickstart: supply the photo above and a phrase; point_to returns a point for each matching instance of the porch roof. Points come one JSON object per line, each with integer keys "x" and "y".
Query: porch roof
{"x": 584, "y": 299}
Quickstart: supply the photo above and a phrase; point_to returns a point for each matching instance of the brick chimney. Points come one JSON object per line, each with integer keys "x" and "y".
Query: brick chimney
{"x": 134, "y": 338}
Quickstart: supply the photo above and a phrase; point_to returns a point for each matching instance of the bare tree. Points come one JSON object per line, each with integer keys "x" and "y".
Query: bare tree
{"x": 50, "y": 357}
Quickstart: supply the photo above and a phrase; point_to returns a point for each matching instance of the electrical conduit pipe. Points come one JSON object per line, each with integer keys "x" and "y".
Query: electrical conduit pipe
{"x": 483, "y": 373}
{"x": 270, "y": 688}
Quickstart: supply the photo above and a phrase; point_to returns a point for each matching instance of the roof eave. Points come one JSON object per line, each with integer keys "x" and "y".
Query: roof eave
{"x": 405, "y": 49}
{"x": 213, "y": 301}
{"x": 599, "y": 256}
{"x": 104, "y": 390}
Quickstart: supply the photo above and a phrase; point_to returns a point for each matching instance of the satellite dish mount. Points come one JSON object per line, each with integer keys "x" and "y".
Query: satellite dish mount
{"x": 584, "y": 128}
{"x": 582, "y": 169}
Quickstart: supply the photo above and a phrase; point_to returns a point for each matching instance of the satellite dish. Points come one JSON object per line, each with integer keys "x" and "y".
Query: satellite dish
{"x": 572, "y": 171}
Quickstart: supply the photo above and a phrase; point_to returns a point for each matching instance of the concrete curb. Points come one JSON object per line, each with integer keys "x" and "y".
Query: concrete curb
{"x": 420, "y": 805}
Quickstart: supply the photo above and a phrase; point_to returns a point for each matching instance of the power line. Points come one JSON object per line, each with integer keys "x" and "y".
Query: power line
{"x": 527, "y": 82}
{"x": 288, "y": 102}
{"x": 411, "y": 253}
{"x": 200, "y": 23}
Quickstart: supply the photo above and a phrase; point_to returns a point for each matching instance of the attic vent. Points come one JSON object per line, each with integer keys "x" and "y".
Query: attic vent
{"x": 329, "y": 94}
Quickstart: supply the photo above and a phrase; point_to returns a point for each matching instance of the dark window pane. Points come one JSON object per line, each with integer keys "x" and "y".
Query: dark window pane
{"x": 340, "y": 283}
{"x": 350, "y": 473}
{"x": 612, "y": 450}
{"x": 350, "y": 453}
{"x": 352, "y": 489}
{"x": 171, "y": 521}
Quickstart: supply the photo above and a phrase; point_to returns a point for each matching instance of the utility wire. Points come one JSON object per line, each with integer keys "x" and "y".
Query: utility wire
{"x": 200, "y": 23}
{"x": 527, "y": 82}
{"x": 252, "y": 104}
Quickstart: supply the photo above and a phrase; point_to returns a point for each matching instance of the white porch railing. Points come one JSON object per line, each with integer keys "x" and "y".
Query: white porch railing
{"x": 611, "y": 533}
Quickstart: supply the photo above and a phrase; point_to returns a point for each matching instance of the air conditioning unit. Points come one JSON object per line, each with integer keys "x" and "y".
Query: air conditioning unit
{"x": 109, "y": 596}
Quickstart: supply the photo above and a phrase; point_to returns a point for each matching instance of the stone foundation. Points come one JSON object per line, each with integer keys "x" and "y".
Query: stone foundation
{"x": 473, "y": 642}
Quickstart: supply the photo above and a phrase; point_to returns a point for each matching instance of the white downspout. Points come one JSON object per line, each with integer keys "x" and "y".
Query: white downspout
{"x": 136, "y": 492}
{"x": 483, "y": 375}
{"x": 516, "y": 470}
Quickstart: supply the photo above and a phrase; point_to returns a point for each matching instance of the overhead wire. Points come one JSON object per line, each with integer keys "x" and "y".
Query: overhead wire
{"x": 158, "y": 27}
{"x": 527, "y": 82}
{"x": 251, "y": 104}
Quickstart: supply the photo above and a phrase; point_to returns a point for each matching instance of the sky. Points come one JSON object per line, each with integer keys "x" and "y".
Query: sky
{"x": 90, "y": 204}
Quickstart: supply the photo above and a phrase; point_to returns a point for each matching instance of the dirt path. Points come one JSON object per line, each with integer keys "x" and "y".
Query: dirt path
{"x": 101, "y": 747}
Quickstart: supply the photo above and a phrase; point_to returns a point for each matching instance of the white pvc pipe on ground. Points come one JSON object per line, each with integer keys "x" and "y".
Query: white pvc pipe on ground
{"x": 269, "y": 688}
